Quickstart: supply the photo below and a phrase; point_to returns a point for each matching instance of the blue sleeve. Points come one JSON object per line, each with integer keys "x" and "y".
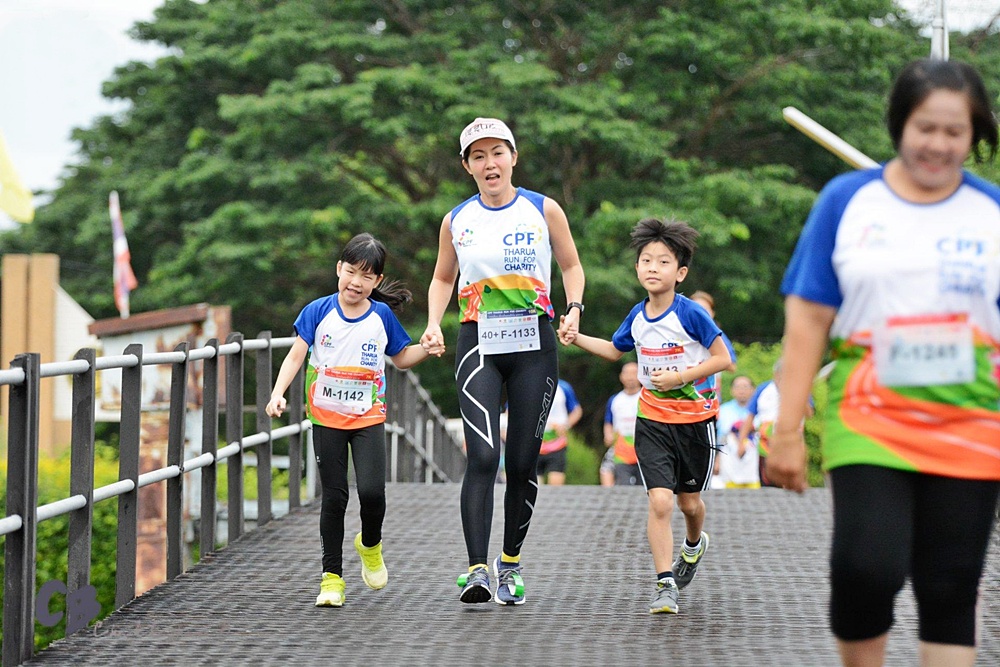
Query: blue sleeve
{"x": 310, "y": 317}
{"x": 752, "y": 405}
{"x": 810, "y": 273}
{"x": 622, "y": 340}
{"x": 398, "y": 338}
{"x": 697, "y": 322}
{"x": 729, "y": 346}
{"x": 609, "y": 417}
{"x": 571, "y": 401}
{"x": 989, "y": 189}
{"x": 536, "y": 198}
{"x": 455, "y": 211}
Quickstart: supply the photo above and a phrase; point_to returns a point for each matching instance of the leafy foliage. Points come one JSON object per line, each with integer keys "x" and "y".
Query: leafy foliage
{"x": 583, "y": 463}
{"x": 53, "y": 536}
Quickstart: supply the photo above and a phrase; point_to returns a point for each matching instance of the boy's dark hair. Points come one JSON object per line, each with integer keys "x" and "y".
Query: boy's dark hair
{"x": 921, "y": 78}
{"x": 679, "y": 236}
{"x": 368, "y": 254}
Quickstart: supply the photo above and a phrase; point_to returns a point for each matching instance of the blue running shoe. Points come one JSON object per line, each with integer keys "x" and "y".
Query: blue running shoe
{"x": 475, "y": 586}
{"x": 510, "y": 585}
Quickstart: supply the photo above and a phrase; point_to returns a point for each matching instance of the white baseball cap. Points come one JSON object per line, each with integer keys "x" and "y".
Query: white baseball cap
{"x": 483, "y": 128}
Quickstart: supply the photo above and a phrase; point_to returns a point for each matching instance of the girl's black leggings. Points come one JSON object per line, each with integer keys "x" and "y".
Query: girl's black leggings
{"x": 367, "y": 447}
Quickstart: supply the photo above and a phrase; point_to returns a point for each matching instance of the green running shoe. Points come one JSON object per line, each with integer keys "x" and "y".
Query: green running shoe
{"x": 372, "y": 566}
{"x": 331, "y": 591}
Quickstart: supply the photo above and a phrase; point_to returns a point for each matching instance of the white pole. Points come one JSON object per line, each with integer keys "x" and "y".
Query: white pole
{"x": 939, "y": 33}
{"x": 827, "y": 139}
{"x": 312, "y": 472}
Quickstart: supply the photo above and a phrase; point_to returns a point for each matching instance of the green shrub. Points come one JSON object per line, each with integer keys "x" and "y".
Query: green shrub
{"x": 582, "y": 462}
{"x": 53, "y": 536}
{"x": 279, "y": 483}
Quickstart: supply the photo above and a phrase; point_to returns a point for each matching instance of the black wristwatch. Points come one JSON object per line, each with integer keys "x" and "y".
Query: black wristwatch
{"x": 574, "y": 304}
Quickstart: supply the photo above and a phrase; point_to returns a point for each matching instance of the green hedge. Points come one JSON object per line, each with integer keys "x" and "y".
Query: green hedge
{"x": 53, "y": 536}
{"x": 279, "y": 483}
{"x": 582, "y": 462}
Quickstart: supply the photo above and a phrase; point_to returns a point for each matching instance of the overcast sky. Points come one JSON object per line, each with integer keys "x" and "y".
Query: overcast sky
{"x": 55, "y": 54}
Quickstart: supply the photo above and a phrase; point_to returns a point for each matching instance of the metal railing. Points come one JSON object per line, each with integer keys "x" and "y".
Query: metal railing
{"x": 419, "y": 450}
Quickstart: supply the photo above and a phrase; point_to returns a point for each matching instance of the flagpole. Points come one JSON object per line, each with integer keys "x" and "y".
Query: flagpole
{"x": 827, "y": 139}
{"x": 939, "y": 33}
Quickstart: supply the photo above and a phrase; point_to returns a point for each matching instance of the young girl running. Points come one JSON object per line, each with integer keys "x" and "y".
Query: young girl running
{"x": 349, "y": 334}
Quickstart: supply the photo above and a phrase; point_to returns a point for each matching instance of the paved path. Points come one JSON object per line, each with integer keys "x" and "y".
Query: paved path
{"x": 759, "y": 599}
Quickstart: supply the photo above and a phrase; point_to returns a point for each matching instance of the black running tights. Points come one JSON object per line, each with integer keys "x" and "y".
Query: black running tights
{"x": 890, "y": 524}
{"x": 531, "y": 379}
{"x": 368, "y": 450}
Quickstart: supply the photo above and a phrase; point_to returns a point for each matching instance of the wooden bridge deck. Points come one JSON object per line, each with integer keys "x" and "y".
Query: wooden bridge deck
{"x": 760, "y": 597}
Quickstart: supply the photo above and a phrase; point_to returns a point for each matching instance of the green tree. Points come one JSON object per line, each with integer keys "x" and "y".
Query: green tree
{"x": 273, "y": 131}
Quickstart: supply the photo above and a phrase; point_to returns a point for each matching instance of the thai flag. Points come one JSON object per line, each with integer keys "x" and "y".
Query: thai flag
{"x": 125, "y": 280}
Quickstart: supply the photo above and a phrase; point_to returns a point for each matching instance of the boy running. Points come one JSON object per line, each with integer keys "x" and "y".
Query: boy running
{"x": 677, "y": 344}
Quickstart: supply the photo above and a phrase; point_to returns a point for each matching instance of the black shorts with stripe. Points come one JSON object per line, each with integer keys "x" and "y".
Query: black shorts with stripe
{"x": 678, "y": 457}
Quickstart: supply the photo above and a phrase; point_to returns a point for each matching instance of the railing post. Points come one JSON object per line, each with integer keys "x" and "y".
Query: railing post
{"x": 420, "y": 464}
{"x": 22, "y": 499}
{"x": 429, "y": 449}
{"x": 81, "y": 481}
{"x": 393, "y": 411}
{"x": 128, "y": 468}
{"x": 295, "y": 395}
{"x": 313, "y": 486}
{"x": 234, "y": 433}
{"x": 409, "y": 454}
{"x": 175, "y": 457}
{"x": 264, "y": 426}
{"x": 443, "y": 453}
{"x": 453, "y": 460}
{"x": 394, "y": 454}
{"x": 209, "y": 445}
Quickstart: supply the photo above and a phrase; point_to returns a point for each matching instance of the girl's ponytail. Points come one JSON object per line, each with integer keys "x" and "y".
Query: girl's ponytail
{"x": 392, "y": 293}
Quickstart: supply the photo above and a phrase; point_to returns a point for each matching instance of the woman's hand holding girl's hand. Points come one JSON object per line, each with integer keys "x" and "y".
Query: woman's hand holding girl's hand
{"x": 569, "y": 327}
{"x": 433, "y": 341}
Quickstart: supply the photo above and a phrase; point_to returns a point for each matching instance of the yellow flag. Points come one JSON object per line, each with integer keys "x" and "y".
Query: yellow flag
{"x": 15, "y": 199}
